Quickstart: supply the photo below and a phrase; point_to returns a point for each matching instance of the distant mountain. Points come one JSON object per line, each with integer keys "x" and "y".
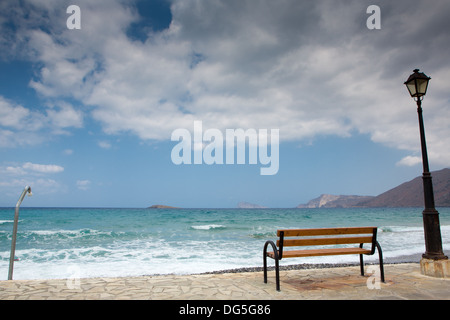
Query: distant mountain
{"x": 246, "y": 205}
{"x": 410, "y": 194}
{"x": 334, "y": 201}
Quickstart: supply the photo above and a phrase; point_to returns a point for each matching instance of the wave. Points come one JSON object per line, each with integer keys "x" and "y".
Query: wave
{"x": 400, "y": 229}
{"x": 61, "y": 233}
{"x": 64, "y": 236}
{"x": 8, "y": 221}
{"x": 208, "y": 227}
{"x": 263, "y": 235}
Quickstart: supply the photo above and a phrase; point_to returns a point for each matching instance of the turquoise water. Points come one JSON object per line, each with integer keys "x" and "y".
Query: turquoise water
{"x": 85, "y": 242}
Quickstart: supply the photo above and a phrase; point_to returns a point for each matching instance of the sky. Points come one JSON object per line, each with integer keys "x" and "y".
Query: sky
{"x": 87, "y": 114}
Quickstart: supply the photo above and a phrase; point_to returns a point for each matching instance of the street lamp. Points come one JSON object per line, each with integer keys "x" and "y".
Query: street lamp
{"x": 417, "y": 84}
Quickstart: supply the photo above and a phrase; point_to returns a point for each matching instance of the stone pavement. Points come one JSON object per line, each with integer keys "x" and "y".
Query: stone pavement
{"x": 403, "y": 281}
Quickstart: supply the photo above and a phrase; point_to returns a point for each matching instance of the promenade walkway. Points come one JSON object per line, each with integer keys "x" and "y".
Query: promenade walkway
{"x": 403, "y": 281}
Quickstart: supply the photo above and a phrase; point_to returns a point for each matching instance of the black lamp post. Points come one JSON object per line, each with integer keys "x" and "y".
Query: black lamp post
{"x": 417, "y": 84}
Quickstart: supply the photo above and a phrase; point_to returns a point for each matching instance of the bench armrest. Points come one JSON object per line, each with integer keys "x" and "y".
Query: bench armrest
{"x": 277, "y": 255}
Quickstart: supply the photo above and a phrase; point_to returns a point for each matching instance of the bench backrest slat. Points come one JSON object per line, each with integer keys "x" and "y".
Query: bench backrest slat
{"x": 325, "y": 231}
{"x": 324, "y": 241}
{"x": 334, "y": 236}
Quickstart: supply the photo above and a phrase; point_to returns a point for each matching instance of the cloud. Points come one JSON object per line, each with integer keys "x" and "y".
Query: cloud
{"x": 29, "y": 168}
{"x": 68, "y": 152}
{"x": 27, "y": 171}
{"x": 41, "y": 184}
{"x": 23, "y": 126}
{"x": 43, "y": 168}
{"x": 104, "y": 144}
{"x": 65, "y": 116}
{"x": 83, "y": 184}
{"x": 16, "y": 117}
{"x": 13, "y": 177}
{"x": 308, "y": 68}
{"x": 409, "y": 161}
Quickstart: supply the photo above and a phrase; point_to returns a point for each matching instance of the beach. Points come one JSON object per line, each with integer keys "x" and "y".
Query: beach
{"x": 403, "y": 282}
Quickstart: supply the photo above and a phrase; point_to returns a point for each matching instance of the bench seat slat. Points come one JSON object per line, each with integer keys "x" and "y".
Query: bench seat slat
{"x": 324, "y": 241}
{"x": 325, "y": 231}
{"x": 320, "y": 252}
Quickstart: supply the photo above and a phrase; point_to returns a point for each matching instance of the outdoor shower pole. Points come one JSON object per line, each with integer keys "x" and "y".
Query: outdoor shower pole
{"x": 14, "y": 235}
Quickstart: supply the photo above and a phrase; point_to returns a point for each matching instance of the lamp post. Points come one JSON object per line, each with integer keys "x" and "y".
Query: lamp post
{"x": 417, "y": 84}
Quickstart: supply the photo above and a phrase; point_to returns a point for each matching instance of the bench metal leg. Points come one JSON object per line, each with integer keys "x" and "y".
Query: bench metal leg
{"x": 361, "y": 264}
{"x": 361, "y": 260}
{"x": 277, "y": 267}
{"x": 265, "y": 267}
{"x": 380, "y": 259}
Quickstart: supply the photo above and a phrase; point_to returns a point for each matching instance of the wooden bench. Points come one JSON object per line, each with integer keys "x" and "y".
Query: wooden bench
{"x": 327, "y": 237}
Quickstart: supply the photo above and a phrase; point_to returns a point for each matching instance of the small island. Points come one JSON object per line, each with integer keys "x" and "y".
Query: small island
{"x": 160, "y": 206}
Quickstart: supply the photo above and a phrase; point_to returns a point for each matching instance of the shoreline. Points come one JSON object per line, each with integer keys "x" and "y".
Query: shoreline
{"x": 299, "y": 266}
{"x": 304, "y": 266}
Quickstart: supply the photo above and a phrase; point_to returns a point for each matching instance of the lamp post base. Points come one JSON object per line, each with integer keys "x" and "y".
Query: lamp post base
{"x": 435, "y": 268}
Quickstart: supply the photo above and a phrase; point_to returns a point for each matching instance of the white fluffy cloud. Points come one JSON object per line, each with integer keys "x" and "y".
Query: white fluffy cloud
{"x": 308, "y": 68}
{"x": 409, "y": 161}
{"x": 14, "y": 177}
{"x": 22, "y": 126}
{"x": 43, "y": 168}
{"x": 17, "y": 117}
{"x": 31, "y": 168}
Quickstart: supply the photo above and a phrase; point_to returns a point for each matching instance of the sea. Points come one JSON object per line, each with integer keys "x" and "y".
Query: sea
{"x": 59, "y": 243}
